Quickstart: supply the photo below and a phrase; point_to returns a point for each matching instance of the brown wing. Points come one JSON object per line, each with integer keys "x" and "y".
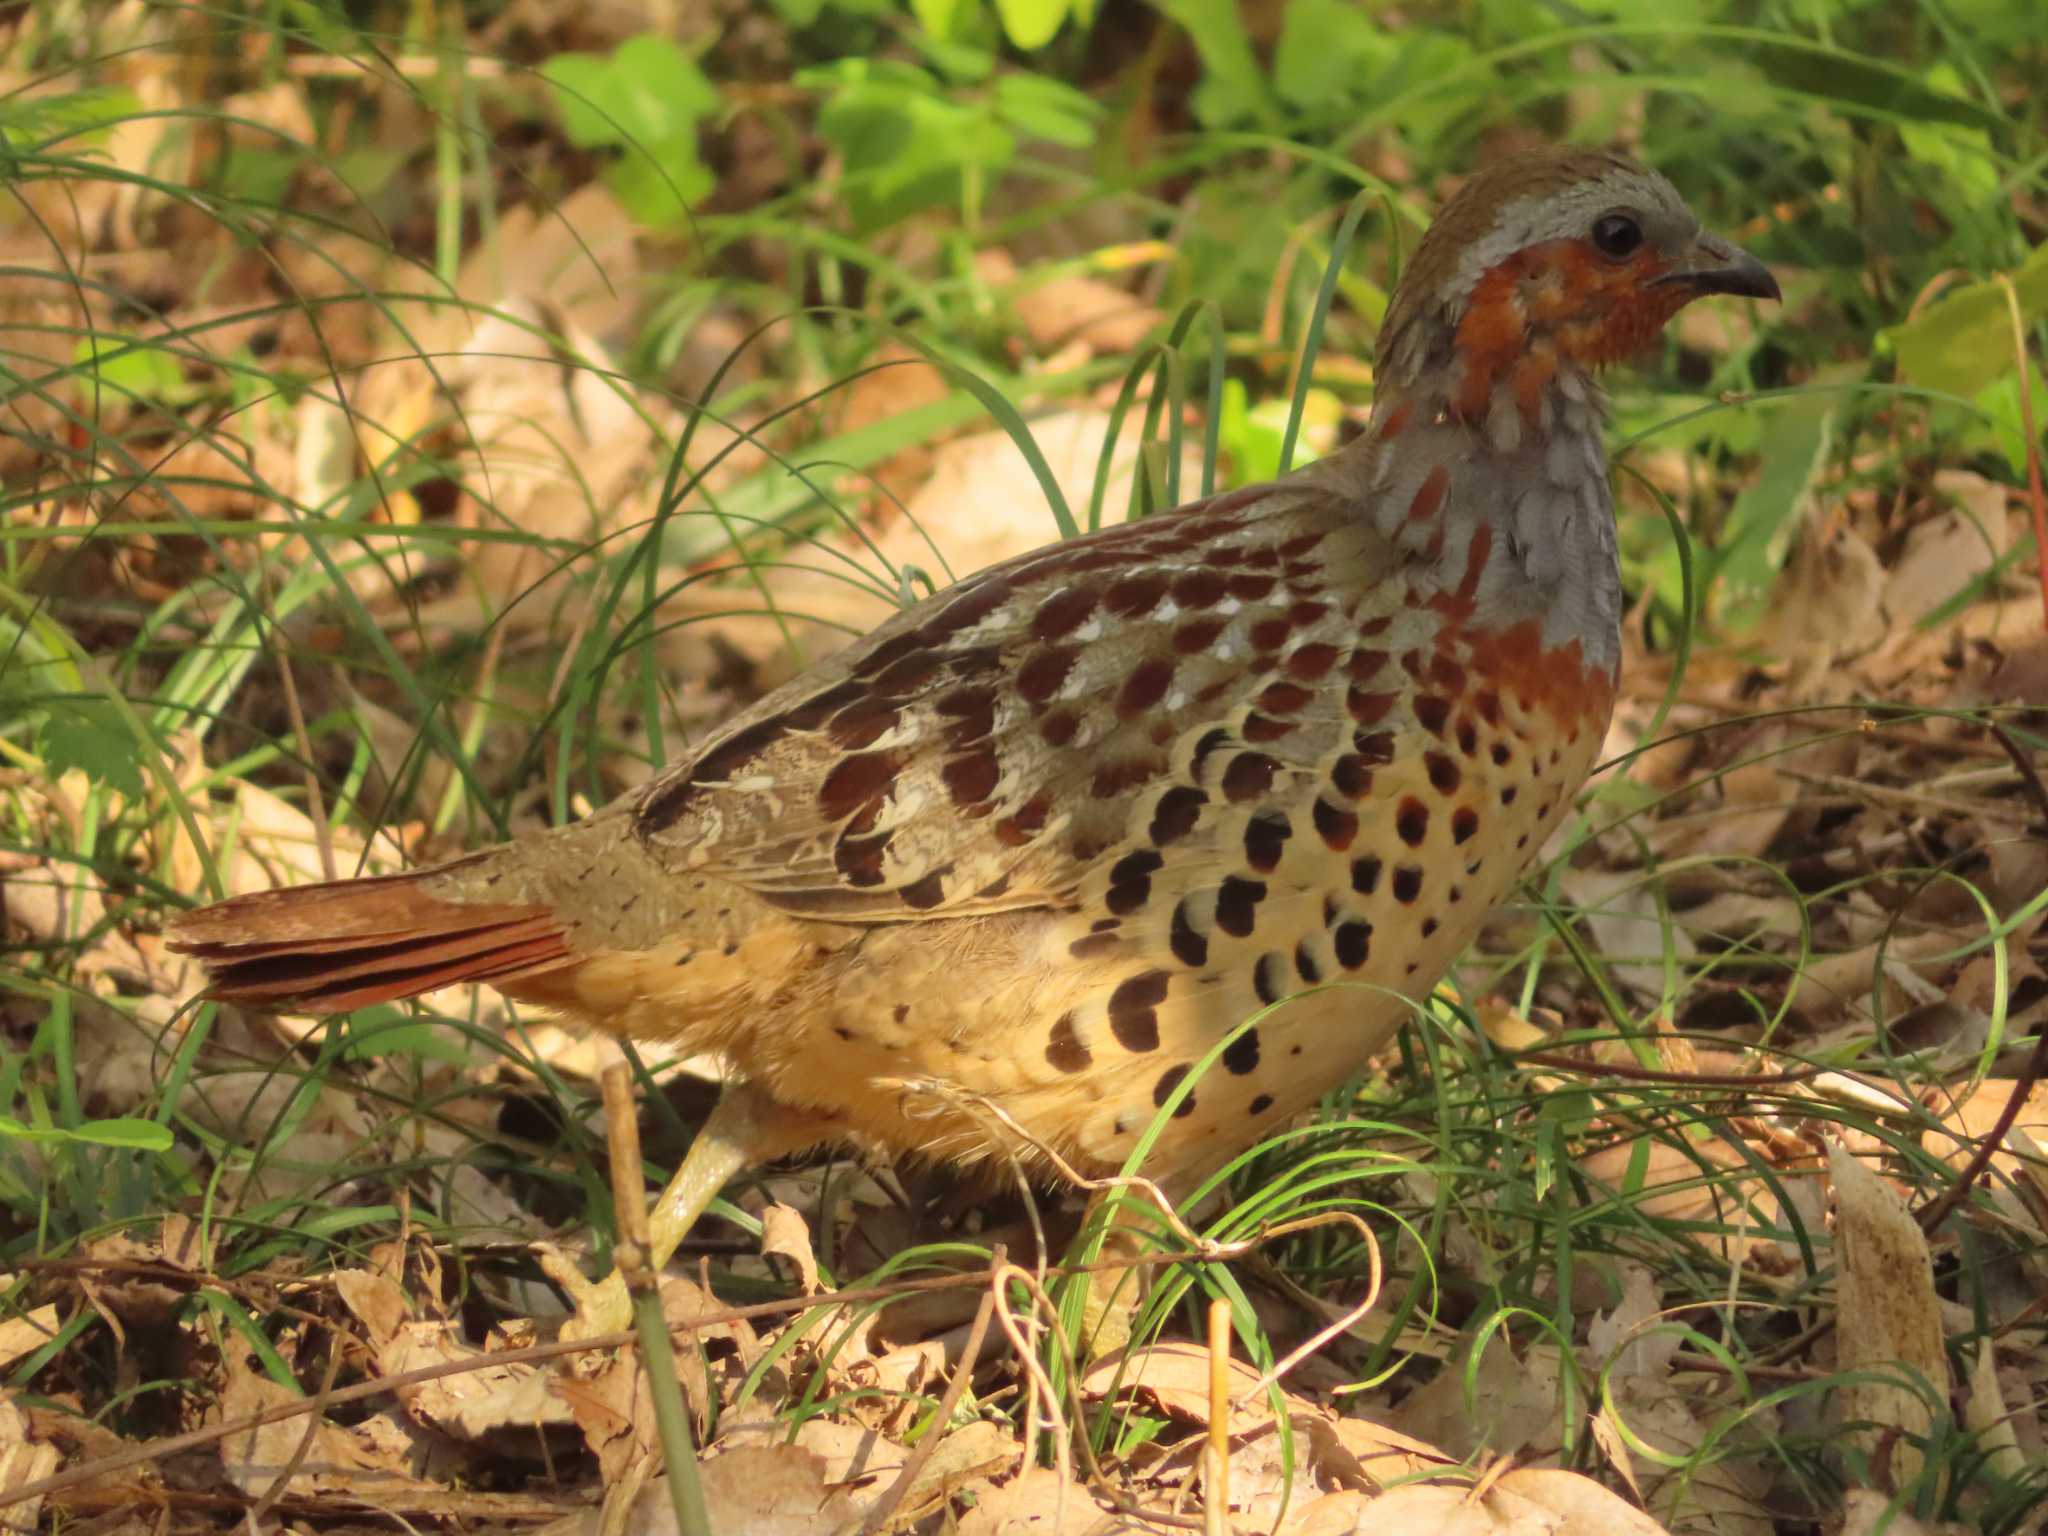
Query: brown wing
{"x": 985, "y": 749}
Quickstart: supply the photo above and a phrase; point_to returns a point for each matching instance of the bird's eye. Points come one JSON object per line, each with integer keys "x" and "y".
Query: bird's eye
{"x": 1616, "y": 234}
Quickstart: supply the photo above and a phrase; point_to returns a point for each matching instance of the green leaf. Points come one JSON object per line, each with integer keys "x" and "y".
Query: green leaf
{"x": 382, "y": 1030}
{"x": 961, "y": 63}
{"x": 2002, "y": 428}
{"x": 255, "y": 173}
{"x": 666, "y": 90}
{"x": 648, "y": 92}
{"x": 125, "y": 1131}
{"x": 89, "y": 734}
{"x": 1963, "y": 156}
{"x": 846, "y": 75}
{"x": 1252, "y": 435}
{"x": 1329, "y": 51}
{"x": 1964, "y": 341}
{"x": 1233, "y": 88}
{"x": 1030, "y": 24}
{"x": 1431, "y": 56}
{"x": 129, "y": 366}
{"x": 936, "y": 16}
{"x": 658, "y": 184}
{"x": 580, "y": 83}
{"x": 909, "y": 148}
{"x": 136, "y": 1135}
{"x": 1047, "y": 109}
{"x": 1760, "y": 525}
{"x": 66, "y": 120}
{"x": 1880, "y": 88}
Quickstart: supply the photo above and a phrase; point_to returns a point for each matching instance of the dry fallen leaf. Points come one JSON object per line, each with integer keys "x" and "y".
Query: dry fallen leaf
{"x": 1948, "y": 551}
{"x": 1986, "y": 1415}
{"x": 1646, "y": 1404}
{"x": 1174, "y": 1377}
{"x": 1886, "y": 1315}
{"x": 1040, "y": 1502}
{"x": 785, "y": 1234}
{"x": 981, "y": 504}
{"x": 368, "y": 1461}
{"x": 777, "y": 1490}
{"x": 23, "y": 1460}
{"x": 1103, "y": 318}
{"x": 1527, "y": 1502}
{"x": 1866, "y": 1512}
{"x": 1511, "y": 1407}
{"x": 1975, "y": 1116}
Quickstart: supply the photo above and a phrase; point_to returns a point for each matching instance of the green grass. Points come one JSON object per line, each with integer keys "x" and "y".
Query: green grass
{"x": 194, "y": 604}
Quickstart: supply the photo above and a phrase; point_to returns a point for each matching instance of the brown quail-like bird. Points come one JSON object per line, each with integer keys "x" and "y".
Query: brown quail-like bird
{"x": 1039, "y": 842}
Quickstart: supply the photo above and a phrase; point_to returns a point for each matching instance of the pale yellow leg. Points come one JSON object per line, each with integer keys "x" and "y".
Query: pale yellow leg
{"x": 746, "y": 1127}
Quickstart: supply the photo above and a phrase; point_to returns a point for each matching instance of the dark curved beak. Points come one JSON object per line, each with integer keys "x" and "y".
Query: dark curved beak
{"x": 1717, "y": 266}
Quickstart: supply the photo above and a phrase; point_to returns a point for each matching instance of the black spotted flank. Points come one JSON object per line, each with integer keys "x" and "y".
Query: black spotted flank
{"x": 1242, "y": 1054}
{"x": 1407, "y": 883}
{"x": 1337, "y": 828}
{"x": 1265, "y": 837}
{"x": 1175, "y": 815}
{"x": 1353, "y": 943}
{"x": 1249, "y": 776}
{"x": 1269, "y": 978}
{"x": 1131, "y": 1016}
{"x": 1411, "y": 820}
{"x": 1130, "y": 881}
{"x": 1064, "y": 1052}
{"x": 1189, "y": 945}
{"x": 1163, "y": 1090}
{"x": 1237, "y": 902}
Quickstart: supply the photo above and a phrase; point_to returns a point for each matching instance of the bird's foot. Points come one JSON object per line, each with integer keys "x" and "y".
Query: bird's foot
{"x": 601, "y": 1306}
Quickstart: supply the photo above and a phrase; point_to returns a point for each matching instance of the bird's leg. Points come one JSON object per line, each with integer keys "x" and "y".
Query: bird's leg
{"x": 746, "y": 1127}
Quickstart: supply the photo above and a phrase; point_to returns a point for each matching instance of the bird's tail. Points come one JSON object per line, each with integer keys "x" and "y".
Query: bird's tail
{"x": 329, "y": 948}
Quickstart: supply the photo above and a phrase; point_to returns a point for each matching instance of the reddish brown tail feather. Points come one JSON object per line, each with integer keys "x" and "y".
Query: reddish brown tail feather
{"x": 330, "y": 948}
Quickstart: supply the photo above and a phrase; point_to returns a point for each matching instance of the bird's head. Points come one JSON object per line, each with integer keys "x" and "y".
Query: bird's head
{"x": 1544, "y": 268}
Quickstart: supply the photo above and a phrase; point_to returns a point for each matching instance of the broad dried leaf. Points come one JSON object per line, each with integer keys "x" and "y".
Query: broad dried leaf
{"x": 23, "y": 1333}
{"x": 1511, "y": 1408}
{"x": 982, "y": 504}
{"x": 1528, "y": 1502}
{"x": 368, "y": 1461}
{"x": 1100, "y": 316}
{"x": 785, "y": 1233}
{"x": 1986, "y": 1415}
{"x": 1975, "y": 1116}
{"x": 1174, "y": 1377}
{"x": 759, "y": 1491}
{"x": 1887, "y": 1314}
{"x": 1948, "y": 551}
{"x": 23, "y": 1460}
{"x": 1038, "y": 1503}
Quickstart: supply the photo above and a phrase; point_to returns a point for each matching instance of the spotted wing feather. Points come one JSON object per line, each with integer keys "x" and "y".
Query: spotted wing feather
{"x": 995, "y": 746}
